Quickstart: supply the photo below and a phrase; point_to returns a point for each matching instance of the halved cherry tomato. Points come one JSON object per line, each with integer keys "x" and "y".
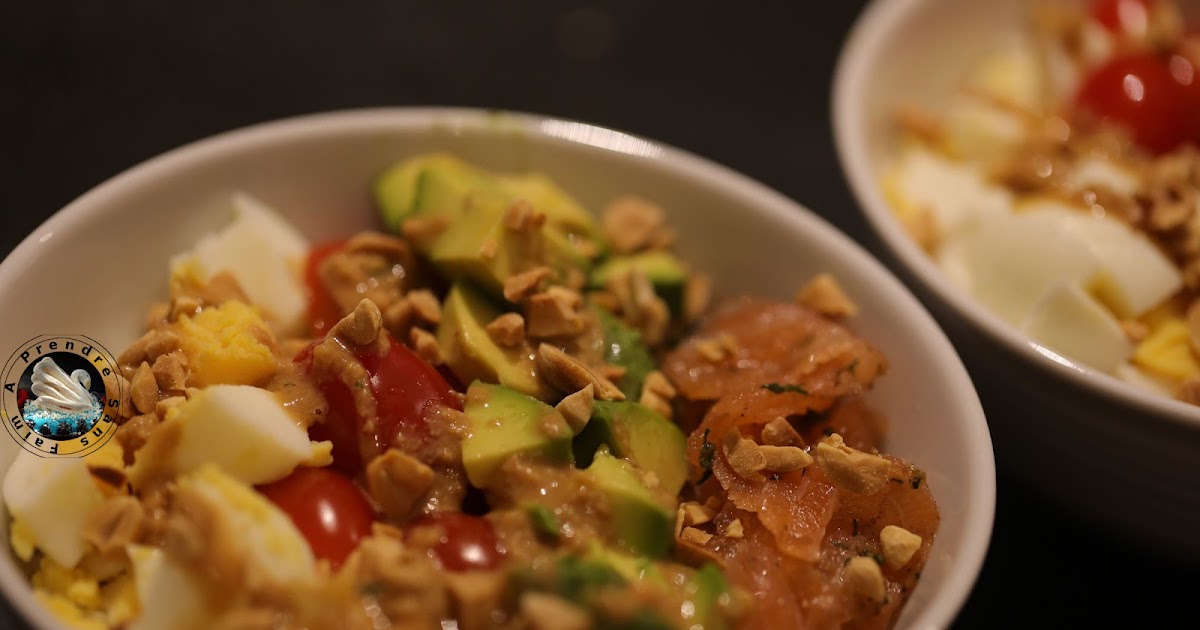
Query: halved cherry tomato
{"x": 329, "y": 510}
{"x": 468, "y": 542}
{"x": 1139, "y": 92}
{"x": 323, "y": 311}
{"x": 405, "y": 388}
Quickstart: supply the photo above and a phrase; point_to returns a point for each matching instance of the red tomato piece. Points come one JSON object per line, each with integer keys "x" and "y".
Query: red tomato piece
{"x": 468, "y": 542}
{"x": 1139, "y": 93}
{"x": 405, "y": 389}
{"x": 330, "y": 511}
{"x": 1122, "y": 16}
{"x": 1185, "y": 71}
{"x": 323, "y": 311}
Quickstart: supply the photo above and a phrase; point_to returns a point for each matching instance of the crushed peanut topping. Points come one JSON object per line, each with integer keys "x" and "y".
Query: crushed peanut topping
{"x": 658, "y": 383}
{"x": 695, "y": 536}
{"x": 641, "y": 308}
{"x": 784, "y": 459}
{"x": 632, "y": 223}
{"x": 398, "y": 482}
{"x": 568, "y": 374}
{"x": 849, "y": 469}
{"x": 718, "y": 348}
{"x": 865, "y": 580}
{"x": 521, "y": 286}
{"x": 657, "y": 404}
{"x": 143, "y": 389}
{"x": 577, "y": 408}
{"x": 1134, "y": 330}
{"x": 507, "y": 330}
{"x": 425, "y": 305}
{"x": 898, "y": 545}
{"x": 744, "y": 456}
{"x": 361, "y": 327}
{"x": 734, "y": 529}
{"x": 695, "y": 514}
{"x": 551, "y": 612}
{"x": 521, "y": 217}
{"x": 780, "y": 432}
{"x": 169, "y": 371}
{"x": 554, "y": 312}
{"x": 422, "y": 230}
{"x": 489, "y": 249}
{"x": 824, "y": 295}
{"x": 114, "y": 524}
{"x": 426, "y": 345}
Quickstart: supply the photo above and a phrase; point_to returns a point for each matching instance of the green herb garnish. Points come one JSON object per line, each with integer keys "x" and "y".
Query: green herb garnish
{"x": 779, "y": 388}
{"x": 707, "y": 451}
{"x": 545, "y": 522}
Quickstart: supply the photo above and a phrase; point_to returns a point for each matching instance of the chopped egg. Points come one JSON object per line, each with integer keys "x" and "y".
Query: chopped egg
{"x": 956, "y": 194}
{"x": 168, "y": 595}
{"x": 52, "y": 498}
{"x": 245, "y": 431}
{"x": 1072, "y": 323}
{"x": 225, "y": 345}
{"x": 263, "y": 253}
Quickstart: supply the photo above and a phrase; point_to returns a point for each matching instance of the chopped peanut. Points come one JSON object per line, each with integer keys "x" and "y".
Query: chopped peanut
{"x": 697, "y": 294}
{"x": 734, "y": 529}
{"x": 780, "y": 432}
{"x": 114, "y": 524}
{"x": 865, "y": 580}
{"x": 507, "y": 330}
{"x": 783, "y": 459}
{"x": 398, "y": 483}
{"x": 361, "y": 327}
{"x": 824, "y": 295}
{"x": 696, "y": 514}
{"x": 696, "y": 536}
{"x": 426, "y": 345}
{"x": 852, "y": 470}
{"x": 632, "y": 223}
{"x": 519, "y": 287}
{"x": 898, "y": 545}
{"x": 568, "y": 375}
{"x": 425, "y": 305}
{"x": 744, "y": 456}
{"x": 422, "y": 230}
{"x": 554, "y": 312}
{"x": 658, "y": 383}
{"x": 143, "y": 389}
{"x": 169, "y": 372}
{"x": 577, "y": 408}
{"x": 521, "y": 217}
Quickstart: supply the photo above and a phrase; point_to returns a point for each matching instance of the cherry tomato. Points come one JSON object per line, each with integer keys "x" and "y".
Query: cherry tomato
{"x": 323, "y": 311}
{"x": 1186, "y": 72}
{"x": 467, "y": 543}
{"x": 331, "y": 512}
{"x": 1138, "y": 92}
{"x": 405, "y": 388}
{"x": 1122, "y": 16}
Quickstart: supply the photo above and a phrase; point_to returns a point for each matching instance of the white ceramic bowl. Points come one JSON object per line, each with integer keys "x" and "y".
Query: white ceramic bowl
{"x": 1122, "y": 457}
{"x": 317, "y": 170}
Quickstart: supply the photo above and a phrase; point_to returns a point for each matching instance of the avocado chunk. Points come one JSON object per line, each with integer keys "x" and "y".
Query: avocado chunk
{"x": 472, "y": 354}
{"x": 562, "y": 211}
{"x": 479, "y": 247}
{"x": 641, "y": 522}
{"x": 639, "y": 435}
{"x": 503, "y": 423}
{"x": 425, "y": 184}
{"x": 665, "y": 272}
{"x": 623, "y": 347}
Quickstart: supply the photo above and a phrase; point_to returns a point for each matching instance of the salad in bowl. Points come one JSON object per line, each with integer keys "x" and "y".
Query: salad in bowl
{"x": 491, "y": 408}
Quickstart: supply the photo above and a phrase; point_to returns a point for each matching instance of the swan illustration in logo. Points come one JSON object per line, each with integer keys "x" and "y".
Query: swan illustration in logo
{"x": 64, "y": 406}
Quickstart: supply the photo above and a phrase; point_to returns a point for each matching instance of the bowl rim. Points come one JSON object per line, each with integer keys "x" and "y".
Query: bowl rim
{"x": 942, "y": 607}
{"x": 866, "y": 43}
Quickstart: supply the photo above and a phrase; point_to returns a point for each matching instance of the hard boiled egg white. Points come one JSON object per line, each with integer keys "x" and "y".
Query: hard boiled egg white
{"x": 1072, "y": 323}
{"x": 263, "y": 253}
{"x": 52, "y": 498}
{"x": 244, "y": 431}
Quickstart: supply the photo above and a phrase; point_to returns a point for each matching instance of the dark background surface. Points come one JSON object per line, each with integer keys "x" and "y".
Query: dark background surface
{"x": 91, "y": 88}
